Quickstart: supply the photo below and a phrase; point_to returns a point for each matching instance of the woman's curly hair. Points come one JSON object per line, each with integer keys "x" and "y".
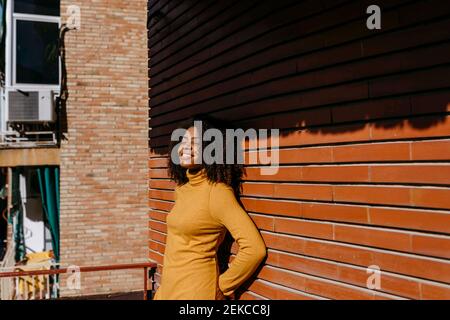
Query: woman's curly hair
{"x": 230, "y": 174}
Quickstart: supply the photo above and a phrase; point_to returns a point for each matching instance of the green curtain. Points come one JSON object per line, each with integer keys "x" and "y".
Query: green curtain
{"x": 16, "y": 217}
{"x": 49, "y": 188}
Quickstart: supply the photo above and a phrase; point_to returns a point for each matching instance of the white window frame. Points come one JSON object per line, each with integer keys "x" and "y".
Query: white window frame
{"x": 11, "y": 41}
{"x": 10, "y": 60}
{"x": 37, "y": 18}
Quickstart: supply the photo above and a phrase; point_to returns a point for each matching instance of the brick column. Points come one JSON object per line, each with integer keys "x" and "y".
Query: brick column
{"x": 104, "y": 155}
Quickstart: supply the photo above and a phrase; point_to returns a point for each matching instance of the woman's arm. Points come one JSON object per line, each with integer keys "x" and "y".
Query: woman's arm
{"x": 252, "y": 250}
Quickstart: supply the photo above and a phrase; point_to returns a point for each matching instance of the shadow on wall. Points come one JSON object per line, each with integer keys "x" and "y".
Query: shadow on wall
{"x": 64, "y": 94}
{"x": 305, "y": 66}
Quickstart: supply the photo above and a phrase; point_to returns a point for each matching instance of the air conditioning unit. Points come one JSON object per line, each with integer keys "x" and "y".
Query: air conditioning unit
{"x": 31, "y": 106}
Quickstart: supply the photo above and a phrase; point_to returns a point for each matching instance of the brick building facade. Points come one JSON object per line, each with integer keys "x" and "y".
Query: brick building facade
{"x": 104, "y": 159}
{"x": 103, "y": 156}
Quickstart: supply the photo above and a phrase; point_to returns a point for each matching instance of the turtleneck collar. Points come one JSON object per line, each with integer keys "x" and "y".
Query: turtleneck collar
{"x": 197, "y": 177}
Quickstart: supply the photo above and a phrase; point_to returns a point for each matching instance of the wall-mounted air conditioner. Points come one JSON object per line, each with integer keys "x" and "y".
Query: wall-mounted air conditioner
{"x": 31, "y": 106}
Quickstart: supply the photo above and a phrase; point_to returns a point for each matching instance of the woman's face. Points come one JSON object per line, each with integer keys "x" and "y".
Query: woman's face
{"x": 189, "y": 149}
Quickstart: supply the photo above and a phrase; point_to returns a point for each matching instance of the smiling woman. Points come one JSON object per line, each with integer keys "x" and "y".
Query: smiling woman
{"x": 205, "y": 209}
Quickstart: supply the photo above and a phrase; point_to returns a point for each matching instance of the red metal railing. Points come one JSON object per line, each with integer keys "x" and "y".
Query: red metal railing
{"x": 148, "y": 267}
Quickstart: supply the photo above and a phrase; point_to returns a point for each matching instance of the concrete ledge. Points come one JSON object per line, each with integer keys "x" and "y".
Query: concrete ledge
{"x": 29, "y": 157}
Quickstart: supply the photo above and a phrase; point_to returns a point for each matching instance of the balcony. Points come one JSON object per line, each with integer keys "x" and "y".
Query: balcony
{"x": 42, "y": 282}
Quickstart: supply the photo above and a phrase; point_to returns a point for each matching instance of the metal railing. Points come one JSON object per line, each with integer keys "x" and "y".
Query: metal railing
{"x": 28, "y": 139}
{"x": 48, "y": 278}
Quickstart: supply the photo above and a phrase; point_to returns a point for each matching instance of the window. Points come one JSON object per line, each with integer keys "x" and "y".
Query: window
{"x": 31, "y": 70}
{"x": 36, "y": 52}
{"x": 35, "y": 43}
{"x": 40, "y": 7}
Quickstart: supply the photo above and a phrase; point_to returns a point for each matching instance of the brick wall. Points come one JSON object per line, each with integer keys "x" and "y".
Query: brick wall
{"x": 104, "y": 215}
{"x": 365, "y": 145}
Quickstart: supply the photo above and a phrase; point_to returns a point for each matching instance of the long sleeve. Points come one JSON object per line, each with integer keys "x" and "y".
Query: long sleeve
{"x": 225, "y": 208}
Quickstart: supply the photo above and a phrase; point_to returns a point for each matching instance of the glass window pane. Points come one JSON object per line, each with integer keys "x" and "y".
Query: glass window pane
{"x": 42, "y": 7}
{"x": 37, "y": 52}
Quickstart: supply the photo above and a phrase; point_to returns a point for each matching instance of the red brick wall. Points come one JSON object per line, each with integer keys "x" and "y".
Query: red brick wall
{"x": 365, "y": 145}
{"x": 104, "y": 208}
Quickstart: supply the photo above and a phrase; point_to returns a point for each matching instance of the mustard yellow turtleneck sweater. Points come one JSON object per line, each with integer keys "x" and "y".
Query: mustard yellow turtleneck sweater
{"x": 196, "y": 226}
